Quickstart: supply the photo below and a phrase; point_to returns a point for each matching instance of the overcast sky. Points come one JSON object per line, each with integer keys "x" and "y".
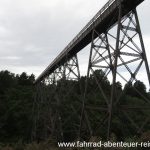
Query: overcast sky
{"x": 34, "y": 32}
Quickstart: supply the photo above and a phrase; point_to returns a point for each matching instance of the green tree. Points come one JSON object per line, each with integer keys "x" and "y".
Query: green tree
{"x": 140, "y": 89}
{"x": 7, "y": 80}
{"x": 16, "y": 99}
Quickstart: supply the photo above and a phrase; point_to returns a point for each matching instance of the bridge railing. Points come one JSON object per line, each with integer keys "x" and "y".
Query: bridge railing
{"x": 80, "y": 34}
{"x": 87, "y": 26}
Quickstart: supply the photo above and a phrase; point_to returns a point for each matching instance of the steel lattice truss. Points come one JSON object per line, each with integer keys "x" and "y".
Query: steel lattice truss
{"x": 120, "y": 57}
{"x": 117, "y": 56}
{"x": 55, "y": 98}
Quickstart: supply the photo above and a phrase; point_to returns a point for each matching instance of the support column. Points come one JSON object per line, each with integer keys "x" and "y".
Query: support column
{"x": 114, "y": 72}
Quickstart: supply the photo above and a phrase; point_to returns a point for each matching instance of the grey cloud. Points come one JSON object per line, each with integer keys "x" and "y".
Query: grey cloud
{"x": 35, "y": 31}
{"x": 144, "y": 12}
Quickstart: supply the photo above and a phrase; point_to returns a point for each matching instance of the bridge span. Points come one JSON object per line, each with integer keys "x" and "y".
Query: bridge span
{"x": 100, "y": 22}
{"x": 66, "y": 103}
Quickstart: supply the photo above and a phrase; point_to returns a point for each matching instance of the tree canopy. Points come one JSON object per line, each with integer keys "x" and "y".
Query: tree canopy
{"x": 17, "y": 99}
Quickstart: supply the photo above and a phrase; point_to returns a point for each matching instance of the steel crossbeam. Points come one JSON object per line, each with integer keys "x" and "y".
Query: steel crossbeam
{"x": 100, "y": 22}
{"x": 115, "y": 55}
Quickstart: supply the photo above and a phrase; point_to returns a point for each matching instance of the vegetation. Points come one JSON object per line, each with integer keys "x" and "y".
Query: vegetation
{"x": 16, "y": 100}
{"x": 18, "y": 110}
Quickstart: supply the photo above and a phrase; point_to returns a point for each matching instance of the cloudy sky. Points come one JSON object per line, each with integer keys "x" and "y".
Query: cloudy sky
{"x": 34, "y": 32}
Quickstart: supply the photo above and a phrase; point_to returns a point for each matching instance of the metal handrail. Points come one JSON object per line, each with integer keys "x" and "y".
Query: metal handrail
{"x": 88, "y": 25}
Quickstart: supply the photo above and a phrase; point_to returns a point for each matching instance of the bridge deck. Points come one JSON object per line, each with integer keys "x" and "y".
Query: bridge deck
{"x": 100, "y": 22}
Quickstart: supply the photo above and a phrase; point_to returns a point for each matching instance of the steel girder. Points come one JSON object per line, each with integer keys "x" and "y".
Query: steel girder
{"x": 116, "y": 56}
{"x": 120, "y": 55}
{"x": 53, "y": 106}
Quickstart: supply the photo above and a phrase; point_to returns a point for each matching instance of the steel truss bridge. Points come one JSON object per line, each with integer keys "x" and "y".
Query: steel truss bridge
{"x": 118, "y": 52}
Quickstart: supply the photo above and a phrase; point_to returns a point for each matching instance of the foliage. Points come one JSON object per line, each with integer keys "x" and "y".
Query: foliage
{"x": 16, "y": 99}
{"x": 16, "y": 109}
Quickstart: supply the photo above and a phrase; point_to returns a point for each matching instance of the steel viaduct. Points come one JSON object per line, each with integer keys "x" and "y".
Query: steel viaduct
{"x": 117, "y": 49}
